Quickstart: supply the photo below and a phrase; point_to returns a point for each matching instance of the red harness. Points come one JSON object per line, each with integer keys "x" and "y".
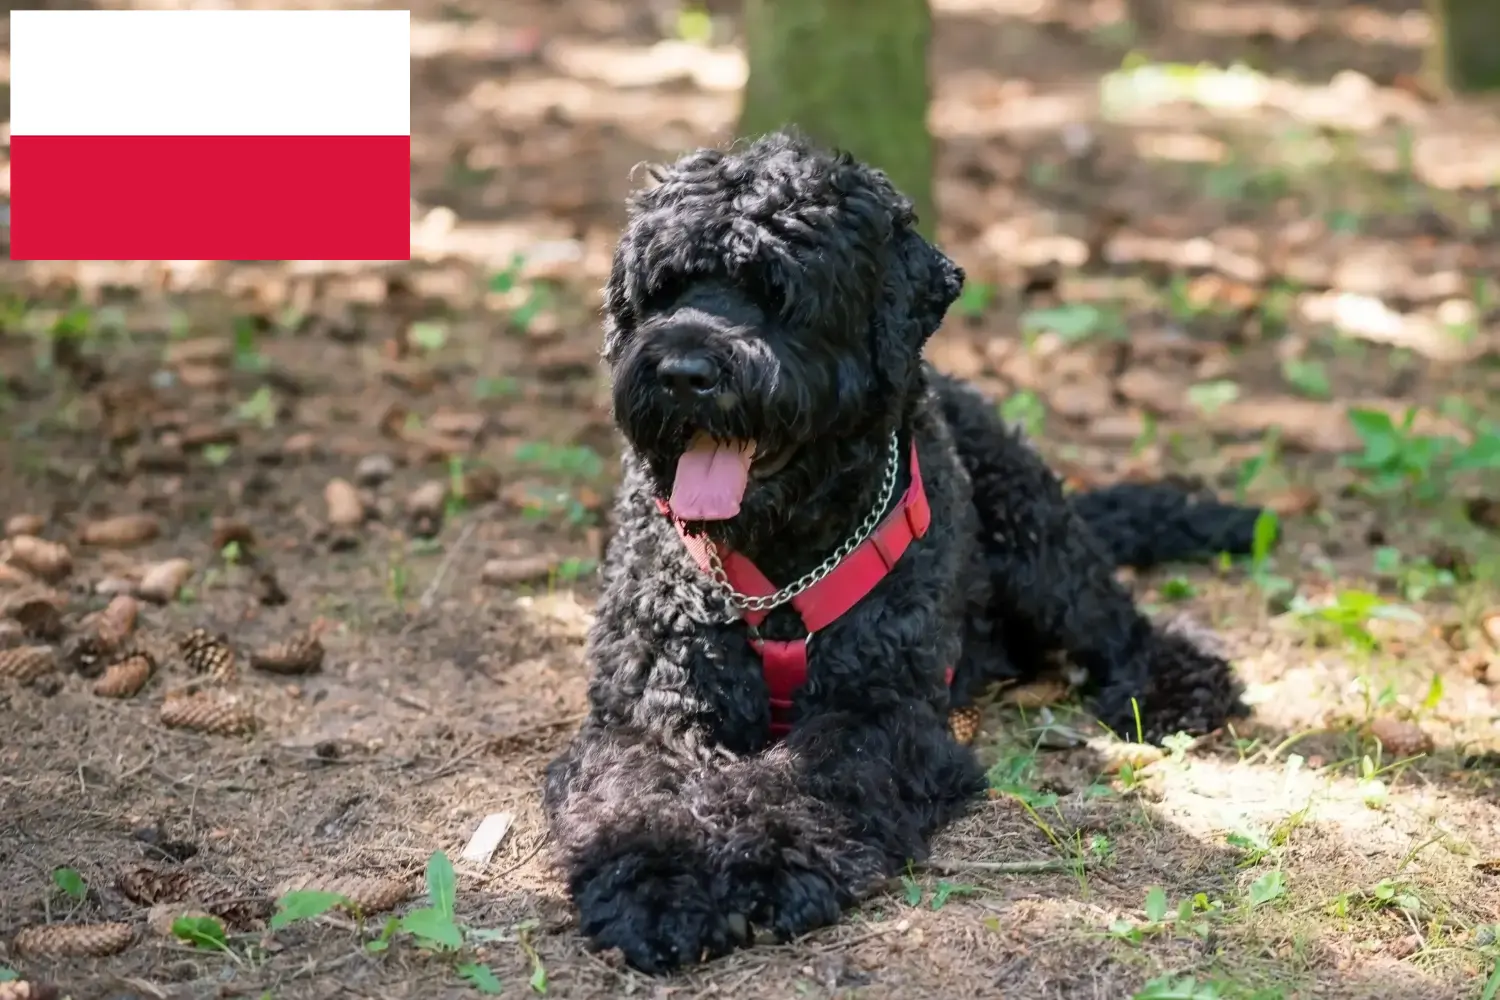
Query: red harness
{"x": 785, "y": 663}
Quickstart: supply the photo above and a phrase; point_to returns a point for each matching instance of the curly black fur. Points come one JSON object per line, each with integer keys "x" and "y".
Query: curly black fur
{"x": 795, "y": 282}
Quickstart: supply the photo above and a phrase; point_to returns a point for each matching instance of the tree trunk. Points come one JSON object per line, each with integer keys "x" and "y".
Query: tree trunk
{"x": 852, "y": 74}
{"x": 1464, "y": 56}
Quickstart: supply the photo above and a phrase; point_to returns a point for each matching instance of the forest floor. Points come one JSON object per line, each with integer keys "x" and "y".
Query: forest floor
{"x": 1283, "y": 285}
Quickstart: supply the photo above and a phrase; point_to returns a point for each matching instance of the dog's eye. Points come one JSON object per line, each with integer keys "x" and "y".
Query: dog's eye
{"x": 769, "y": 295}
{"x": 666, "y": 289}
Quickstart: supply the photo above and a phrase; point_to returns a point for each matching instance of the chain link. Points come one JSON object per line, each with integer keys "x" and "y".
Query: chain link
{"x": 744, "y": 602}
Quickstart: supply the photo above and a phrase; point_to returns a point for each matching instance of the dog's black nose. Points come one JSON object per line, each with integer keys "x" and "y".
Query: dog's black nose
{"x": 688, "y": 374}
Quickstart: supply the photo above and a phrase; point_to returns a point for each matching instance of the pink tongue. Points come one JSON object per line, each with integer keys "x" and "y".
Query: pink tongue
{"x": 711, "y": 479}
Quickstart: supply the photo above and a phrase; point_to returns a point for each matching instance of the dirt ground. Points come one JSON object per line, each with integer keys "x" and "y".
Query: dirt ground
{"x": 1202, "y": 286}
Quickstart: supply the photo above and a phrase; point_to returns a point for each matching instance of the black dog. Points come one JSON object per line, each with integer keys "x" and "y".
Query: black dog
{"x": 764, "y": 325}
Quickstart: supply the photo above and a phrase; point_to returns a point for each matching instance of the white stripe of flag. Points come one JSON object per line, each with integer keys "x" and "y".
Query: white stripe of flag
{"x": 210, "y": 134}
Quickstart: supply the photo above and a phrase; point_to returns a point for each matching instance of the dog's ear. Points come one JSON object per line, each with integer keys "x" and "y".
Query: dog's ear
{"x": 922, "y": 283}
{"x": 936, "y": 284}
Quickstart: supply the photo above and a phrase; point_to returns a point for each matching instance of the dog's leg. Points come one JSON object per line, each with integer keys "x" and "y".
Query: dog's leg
{"x": 1056, "y": 580}
{"x": 636, "y": 859}
{"x": 672, "y": 854}
{"x": 846, "y": 801}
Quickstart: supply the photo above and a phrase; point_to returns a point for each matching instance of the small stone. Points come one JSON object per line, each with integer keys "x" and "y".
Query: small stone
{"x": 232, "y": 531}
{"x": 345, "y": 508}
{"x": 121, "y": 532}
{"x": 25, "y": 524}
{"x": 49, "y": 560}
{"x": 1400, "y": 737}
{"x": 162, "y": 582}
{"x": 373, "y": 470}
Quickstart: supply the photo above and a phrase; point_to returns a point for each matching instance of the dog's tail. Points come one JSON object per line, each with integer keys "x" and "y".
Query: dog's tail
{"x": 1145, "y": 524}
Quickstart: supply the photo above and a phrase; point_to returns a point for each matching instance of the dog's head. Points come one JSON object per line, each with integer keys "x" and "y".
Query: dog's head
{"x": 766, "y": 305}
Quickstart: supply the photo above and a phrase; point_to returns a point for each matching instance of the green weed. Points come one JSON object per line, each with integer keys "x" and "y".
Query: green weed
{"x": 1026, "y": 410}
{"x": 1073, "y": 322}
{"x": 1397, "y": 459}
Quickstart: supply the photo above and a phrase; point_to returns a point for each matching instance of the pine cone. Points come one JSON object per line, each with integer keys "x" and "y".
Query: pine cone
{"x": 147, "y": 886}
{"x": 206, "y": 653}
{"x": 964, "y": 722}
{"x": 27, "y": 663}
{"x": 207, "y": 712}
{"x": 238, "y": 911}
{"x": 39, "y": 611}
{"x": 115, "y": 622}
{"x": 74, "y": 940}
{"x": 124, "y": 679}
{"x": 20, "y": 989}
{"x": 11, "y": 634}
{"x": 370, "y": 894}
{"x": 302, "y": 654}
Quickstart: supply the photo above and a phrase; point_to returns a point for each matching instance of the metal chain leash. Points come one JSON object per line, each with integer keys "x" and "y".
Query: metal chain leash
{"x": 744, "y": 602}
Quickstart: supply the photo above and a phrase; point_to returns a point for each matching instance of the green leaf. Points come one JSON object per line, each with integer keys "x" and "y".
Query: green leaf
{"x": 913, "y": 890}
{"x": 70, "y": 882}
{"x": 974, "y": 299}
{"x": 694, "y": 26}
{"x": 1156, "y": 904}
{"x": 480, "y": 977}
{"x": 1308, "y": 377}
{"x": 433, "y": 928}
{"x": 504, "y": 281}
{"x": 948, "y": 889}
{"x": 1434, "y": 693}
{"x": 429, "y": 336}
{"x": 442, "y": 884}
{"x": 1071, "y": 322}
{"x": 1484, "y": 453}
{"x": 1025, "y": 409}
{"x": 392, "y": 925}
{"x": 1178, "y": 588}
{"x": 305, "y": 905}
{"x": 8, "y": 975}
{"x": 1211, "y": 396}
{"x": 1271, "y": 885}
{"x": 1492, "y": 985}
{"x": 1387, "y": 560}
{"x": 200, "y": 932}
{"x": 1173, "y": 988}
{"x": 1267, "y": 527}
{"x": 538, "y": 980}
{"x": 1381, "y": 439}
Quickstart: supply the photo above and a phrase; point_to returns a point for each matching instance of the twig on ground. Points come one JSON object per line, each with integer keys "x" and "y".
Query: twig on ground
{"x": 429, "y": 596}
{"x": 952, "y": 867}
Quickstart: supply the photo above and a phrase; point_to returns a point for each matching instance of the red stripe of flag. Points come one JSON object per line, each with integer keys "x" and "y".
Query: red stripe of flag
{"x": 210, "y": 197}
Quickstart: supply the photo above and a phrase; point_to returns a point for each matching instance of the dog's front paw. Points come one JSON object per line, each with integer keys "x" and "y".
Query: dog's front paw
{"x": 788, "y": 901}
{"x": 657, "y": 911}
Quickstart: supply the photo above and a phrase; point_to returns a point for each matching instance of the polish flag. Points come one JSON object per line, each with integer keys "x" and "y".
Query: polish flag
{"x": 210, "y": 135}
